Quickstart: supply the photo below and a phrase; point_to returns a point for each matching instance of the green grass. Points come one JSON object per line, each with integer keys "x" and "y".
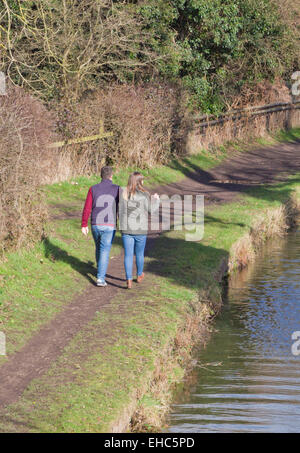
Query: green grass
{"x": 71, "y": 193}
{"x": 65, "y": 259}
{"x": 37, "y": 283}
{"x": 288, "y": 135}
{"x": 95, "y": 378}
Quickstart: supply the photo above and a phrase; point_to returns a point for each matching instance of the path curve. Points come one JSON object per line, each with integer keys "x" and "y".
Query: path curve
{"x": 219, "y": 185}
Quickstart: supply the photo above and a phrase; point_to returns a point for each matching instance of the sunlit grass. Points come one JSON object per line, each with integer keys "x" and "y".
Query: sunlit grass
{"x": 87, "y": 394}
{"x": 97, "y": 376}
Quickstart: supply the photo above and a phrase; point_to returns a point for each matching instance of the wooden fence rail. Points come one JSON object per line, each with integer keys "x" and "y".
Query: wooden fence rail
{"x": 211, "y": 120}
{"x": 73, "y": 141}
{"x": 202, "y": 122}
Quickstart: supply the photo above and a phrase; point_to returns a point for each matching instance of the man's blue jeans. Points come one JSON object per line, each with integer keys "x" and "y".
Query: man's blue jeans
{"x": 134, "y": 244}
{"x": 103, "y": 236}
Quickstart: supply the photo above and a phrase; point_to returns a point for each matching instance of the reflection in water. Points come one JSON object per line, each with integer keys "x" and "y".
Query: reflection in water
{"x": 247, "y": 378}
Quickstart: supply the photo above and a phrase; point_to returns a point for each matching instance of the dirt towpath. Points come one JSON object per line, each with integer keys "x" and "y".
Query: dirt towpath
{"x": 219, "y": 185}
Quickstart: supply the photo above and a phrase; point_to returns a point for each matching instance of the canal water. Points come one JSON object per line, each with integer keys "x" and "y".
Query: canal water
{"x": 247, "y": 379}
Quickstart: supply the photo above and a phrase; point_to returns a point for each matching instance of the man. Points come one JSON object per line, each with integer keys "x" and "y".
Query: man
{"x": 102, "y": 202}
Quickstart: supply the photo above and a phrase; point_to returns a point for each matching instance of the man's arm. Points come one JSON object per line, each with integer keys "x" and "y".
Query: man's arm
{"x": 86, "y": 212}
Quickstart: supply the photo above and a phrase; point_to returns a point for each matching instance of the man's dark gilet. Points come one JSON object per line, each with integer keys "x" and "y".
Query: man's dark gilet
{"x": 105, "y": 203}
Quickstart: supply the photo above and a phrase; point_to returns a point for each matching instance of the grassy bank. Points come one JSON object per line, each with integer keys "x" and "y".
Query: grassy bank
{"x": 100, "y": 381}
{"x": 31, "y": 280}
{"x": 122, "y": 364}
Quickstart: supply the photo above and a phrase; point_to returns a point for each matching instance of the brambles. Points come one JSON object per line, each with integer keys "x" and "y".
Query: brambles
{"x": 142, "y": 119}
{"x": 58, "y": 49}
{"x": 140, "y": 66}
{"x": 24, "y": 162}
{"x": 212, "y": 49}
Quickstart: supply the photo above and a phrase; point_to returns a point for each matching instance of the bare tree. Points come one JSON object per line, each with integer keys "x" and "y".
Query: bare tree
{"x": 70, "y": 45}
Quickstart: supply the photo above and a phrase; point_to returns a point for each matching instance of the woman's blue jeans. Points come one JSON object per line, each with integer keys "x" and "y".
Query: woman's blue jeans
{"x": 134, "y": 244}
{"x": 103, "y": 236}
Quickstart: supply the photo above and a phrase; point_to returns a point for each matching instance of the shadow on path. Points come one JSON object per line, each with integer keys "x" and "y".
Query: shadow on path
{"x": 47, "y": 345}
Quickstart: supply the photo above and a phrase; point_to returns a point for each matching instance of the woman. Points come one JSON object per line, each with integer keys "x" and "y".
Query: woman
{"x": 135, "y": 204}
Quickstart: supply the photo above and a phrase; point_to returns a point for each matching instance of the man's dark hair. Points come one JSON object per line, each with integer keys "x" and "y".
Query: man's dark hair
{"x": 106, "y": 172}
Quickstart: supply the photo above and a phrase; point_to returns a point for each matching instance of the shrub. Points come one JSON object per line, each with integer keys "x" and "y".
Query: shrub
{"x": 212, "y": 48}
{"x": 215, "y": 47}
{"x": 143, "y": 120}
{"x": 25, "y": 128}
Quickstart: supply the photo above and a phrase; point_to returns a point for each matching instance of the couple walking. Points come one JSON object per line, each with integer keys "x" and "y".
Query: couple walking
{"x": 105, "y": 203}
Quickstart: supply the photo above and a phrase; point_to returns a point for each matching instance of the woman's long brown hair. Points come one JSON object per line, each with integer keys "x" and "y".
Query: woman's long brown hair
{"x": 135, "y": 182}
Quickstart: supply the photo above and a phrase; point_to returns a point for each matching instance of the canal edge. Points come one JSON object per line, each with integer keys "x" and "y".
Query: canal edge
{"x": 195, "y": 328}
